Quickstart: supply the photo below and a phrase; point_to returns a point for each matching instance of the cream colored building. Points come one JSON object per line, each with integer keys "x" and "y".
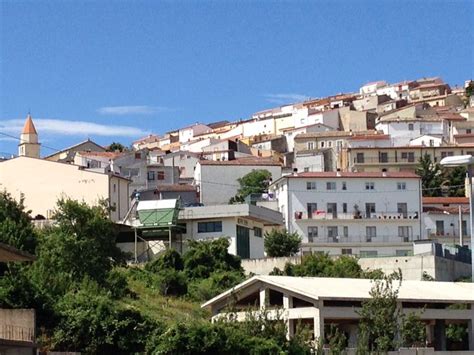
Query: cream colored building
{"x": 43, "y": 182}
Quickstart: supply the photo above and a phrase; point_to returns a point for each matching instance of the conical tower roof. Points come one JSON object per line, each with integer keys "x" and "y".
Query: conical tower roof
{"x": 29, "y": 127}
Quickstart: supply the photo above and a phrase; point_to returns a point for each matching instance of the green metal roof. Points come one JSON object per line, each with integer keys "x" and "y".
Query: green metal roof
{"x": 158, "y": 214}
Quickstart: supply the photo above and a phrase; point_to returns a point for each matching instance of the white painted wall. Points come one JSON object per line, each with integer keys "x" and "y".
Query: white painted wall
{"x": 401, "y": 134}
{"x": 427, "y": 141}
{"x": 385, "y": 196}
{"x": 186, "y": 134}
{"x": 218, "y": 183}
{"x": 255, "y": 127}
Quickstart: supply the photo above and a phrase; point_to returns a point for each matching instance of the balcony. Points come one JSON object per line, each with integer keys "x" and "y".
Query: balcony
{"x": 390, "y": 160}
{"x": 321, "y": 215}
{"x": 17, "y": 327}
{"x": 362, "y": 239}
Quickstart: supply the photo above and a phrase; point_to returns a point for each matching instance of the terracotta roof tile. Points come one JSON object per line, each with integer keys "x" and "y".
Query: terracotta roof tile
{"x": 445, "y": 200}
{"x": 243, "y": 161}
{"x": 29, "y": 127}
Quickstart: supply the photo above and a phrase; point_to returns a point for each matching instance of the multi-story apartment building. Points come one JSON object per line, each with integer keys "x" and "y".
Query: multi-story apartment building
{"x": 365, "y": 214}
{"x": 404, "y": 158}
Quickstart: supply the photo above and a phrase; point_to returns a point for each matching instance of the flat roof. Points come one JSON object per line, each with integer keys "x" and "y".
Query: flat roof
{"x": 345, "y": 175}
{"x": 253, "y": 161}
{"x": 327, "y": 288}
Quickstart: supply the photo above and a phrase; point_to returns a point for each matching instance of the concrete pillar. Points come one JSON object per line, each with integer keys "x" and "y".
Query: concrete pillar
{"x": 318, "y": 325}
{"x": 440, "y": 335}
{"x": 470, "y": 332}
{"x": 287, "y": 301}
{"x": 290, "y": 328}
{"x": 263, "y": 297}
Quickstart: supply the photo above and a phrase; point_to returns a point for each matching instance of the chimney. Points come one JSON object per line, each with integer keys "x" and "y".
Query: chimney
{"x": 384, "y": 172}
{"x": 295, "y": 171}
{"x": 338, "y": 172}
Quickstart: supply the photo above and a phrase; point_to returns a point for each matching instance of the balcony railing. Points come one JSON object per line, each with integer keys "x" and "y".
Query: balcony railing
{"x": 323, "y": 215}
{"x": 389, "y": 160}
{"x": 362, "y": 239}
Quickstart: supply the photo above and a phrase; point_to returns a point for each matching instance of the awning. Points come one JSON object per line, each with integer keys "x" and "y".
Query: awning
{"x": 158, "y": 213}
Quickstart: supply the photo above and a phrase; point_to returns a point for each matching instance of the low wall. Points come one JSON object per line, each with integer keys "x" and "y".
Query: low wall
{"x": 413, "y": 267}
{"x": 17, "y": 324}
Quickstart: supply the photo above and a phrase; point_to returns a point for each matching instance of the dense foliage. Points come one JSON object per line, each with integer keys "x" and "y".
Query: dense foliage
{"x": 279, "y": 243}
{"x": 438, "y": 181}
{"x": 322, "y": 265}
{"x": 255, "y": 182}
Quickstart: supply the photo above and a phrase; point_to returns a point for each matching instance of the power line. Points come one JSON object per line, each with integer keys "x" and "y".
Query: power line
{"x": 24, "y": 140}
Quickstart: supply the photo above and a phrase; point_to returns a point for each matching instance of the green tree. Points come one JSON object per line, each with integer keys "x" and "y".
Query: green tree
{"x": 378, "y": 325}
{"x": 455, "y": 178}
{"x": 209, "y": 256}
{"x": 115, "y": 146}
{"x": 89, "y": 321}
{"x": 255, "y": 182}
{"x": 431, "y": 176}
{"x": 81, "y": 243}
{"x": 279, "y": 243}
{"x": 413, "y": 331}
{"x": 170, "y": 259}
{"x": 16, "y": 228}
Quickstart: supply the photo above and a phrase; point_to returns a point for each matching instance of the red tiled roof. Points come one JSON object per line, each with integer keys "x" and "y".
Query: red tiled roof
{"x": 445, "y": 200}
{"x": 110, "y": 155}
{"x": 370, "y": 136}
{"x": 333, "y": 174}
{"x": 251, "y": 161}
{"x": 445, "y": 210}
{"x": 29, "y": 127}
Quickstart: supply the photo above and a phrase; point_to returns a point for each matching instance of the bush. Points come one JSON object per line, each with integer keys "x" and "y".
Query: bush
{"x": 170, "y": 259}
{"x": 172, "y": 282}
{"x": 281, "y": 243}
{"x": 117, "y": 285}
{"x": 206, "y": 257}
{"x": 218, "y": 282}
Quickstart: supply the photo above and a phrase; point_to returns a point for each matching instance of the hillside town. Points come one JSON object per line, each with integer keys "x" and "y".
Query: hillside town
{"x": 358, "y": 174}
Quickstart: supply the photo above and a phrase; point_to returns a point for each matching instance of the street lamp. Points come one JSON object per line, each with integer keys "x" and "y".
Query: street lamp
{"x": 468, "y": 162}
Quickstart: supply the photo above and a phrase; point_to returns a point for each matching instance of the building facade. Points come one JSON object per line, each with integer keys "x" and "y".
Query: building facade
{"x": 365, "y": 214}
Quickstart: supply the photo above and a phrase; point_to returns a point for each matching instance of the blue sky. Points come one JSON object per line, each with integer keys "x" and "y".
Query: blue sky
{"x": 116, "y": 70}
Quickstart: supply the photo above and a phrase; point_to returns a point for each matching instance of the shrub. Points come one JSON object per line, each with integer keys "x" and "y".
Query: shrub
{"x": 281, "y": 243}
{"x": 218, "y": 282}
{"x": 170, "y": 259}
{"x": 172, "y": 282}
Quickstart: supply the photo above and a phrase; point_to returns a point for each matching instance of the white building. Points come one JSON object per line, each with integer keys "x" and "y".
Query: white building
{"x": 218, "y": 180}
{"x": 317, "y": 302}
{"x": 244, "y": 224}
{"x": 446, "y": 219}
{"x": 307, "y": 116}
{"x": 366, "y": 214}
{"x": 370, "y": 89}
{"x": 187, "y": 134}
{"x": 291, "y": 133}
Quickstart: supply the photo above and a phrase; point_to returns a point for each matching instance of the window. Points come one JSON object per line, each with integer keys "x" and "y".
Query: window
{"x": 411, "y": 157}
{"x": 370, "y": 232}
{"x": 310, "y": 185}
{"x": 344, "y": 185}
{"x": 405, "y": 232}
{"x": 151, "y": 175}
{"x": 402, "y": 252}
{"x": 369, "y": 186}
{"x": 360, "y": 158}
{"x": 369, "y": 209}
{"x": 310, "y": 145}
{"x": 346, "y": 251}
{"x": 160, "y": 175}
{"x": 446, "y": 154}
{"x": 344, "y": 207}
{"x": 368, "y": 253}
{"x": 464, "y": 227}
{"x": 403, "y": 209}
{"x": 306, "y": 169}
{"x": 138, "y": 155}
{"x": 210, "y": 227}
{"x": 321, "y": 144}
{"x": 468, "y": 131}
{"x": 432, "y": 143}
{"x": 312, "y": 234}
{"x": 332, "y": 232}
{"x": 383, "y": 158}
{"x": 332, "y": 209}
{"x": 311, "y": 208}
{"x": 331, "y": 185}
{"x": 329, "y": 144}
{"x": 439, "y": 227}
{"x": 345, "y": 231}
{"x": 257, "y": 232}
{"x": 115, "y": 188}
{"x": 411, "y": 127}
{"x": 401, "y": 186}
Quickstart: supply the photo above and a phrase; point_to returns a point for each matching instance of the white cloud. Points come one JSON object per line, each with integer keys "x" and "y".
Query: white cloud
{"x": 285, "y": 98}
{"x": 131, "y": 110}
{"x": 72, "y": 128}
